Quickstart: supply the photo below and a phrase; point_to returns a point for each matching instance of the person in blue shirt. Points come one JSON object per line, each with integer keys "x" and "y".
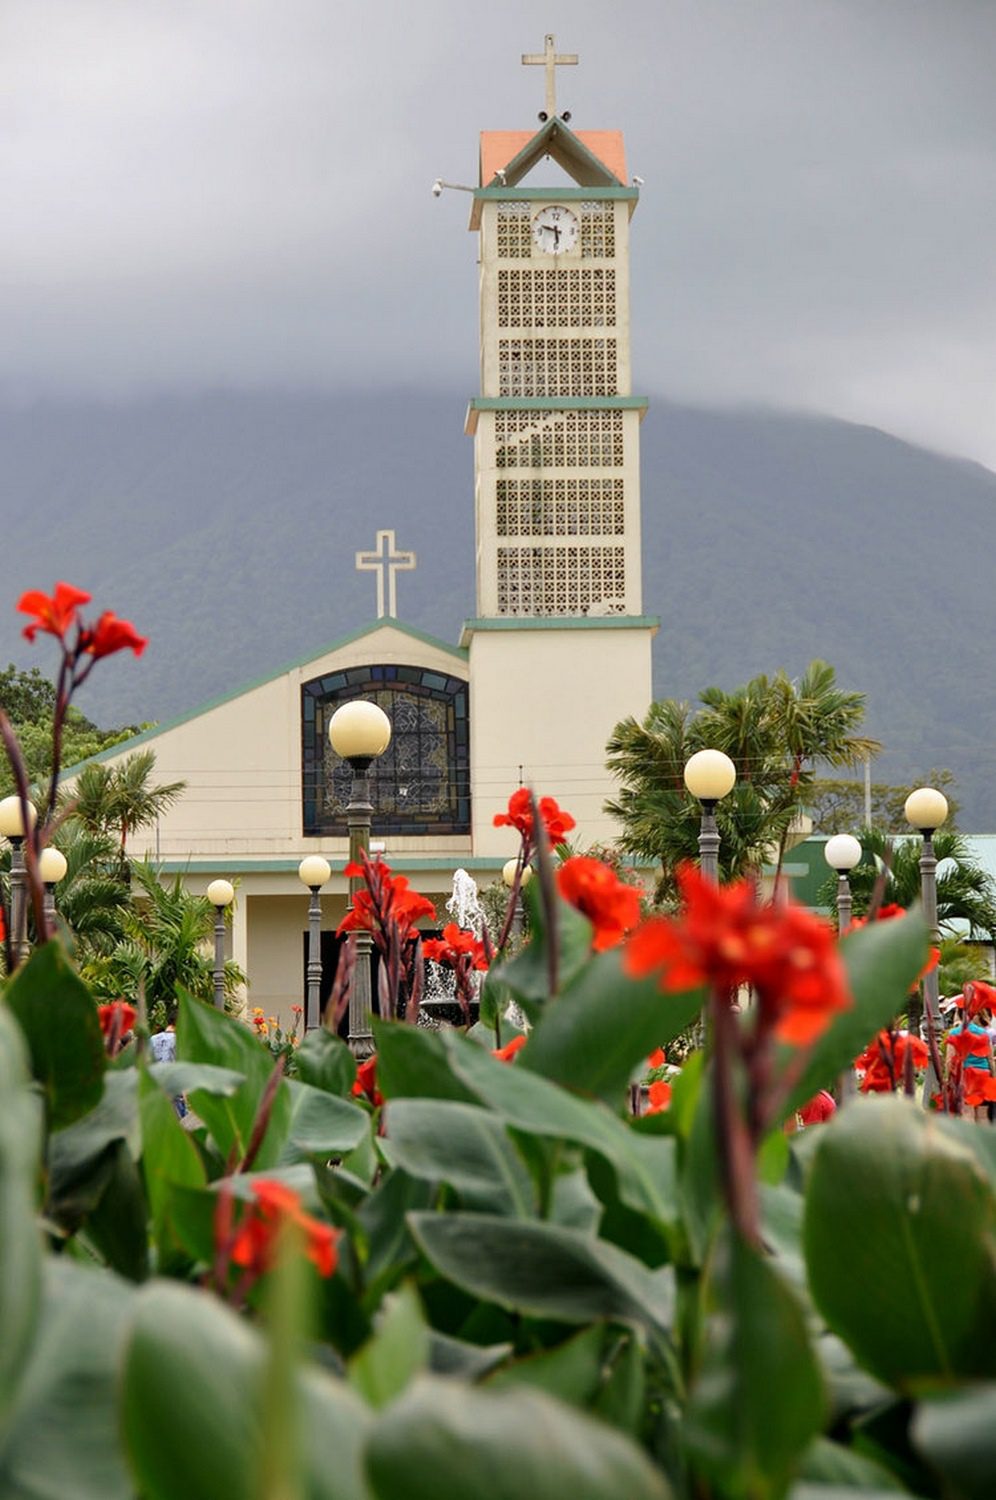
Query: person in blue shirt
{"x": 978, "y": 1066}
{"x": 163, "y": 1049}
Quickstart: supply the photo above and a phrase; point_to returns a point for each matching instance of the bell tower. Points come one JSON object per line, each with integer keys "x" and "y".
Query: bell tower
{"x": 560, "y": 648}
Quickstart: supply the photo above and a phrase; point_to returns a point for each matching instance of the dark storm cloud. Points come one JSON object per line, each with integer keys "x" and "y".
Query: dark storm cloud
{"x": 237, "y": 191}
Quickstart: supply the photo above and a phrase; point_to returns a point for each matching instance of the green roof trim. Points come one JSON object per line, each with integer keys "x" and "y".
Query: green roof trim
{"x": 219, "y": 865}
{"x": 551, "y": 403}
{"x": 565, "y": 622}
{"x": 559, "y": 403}
{"x": 126, "y": 746}
{"x": 551, "y": 194}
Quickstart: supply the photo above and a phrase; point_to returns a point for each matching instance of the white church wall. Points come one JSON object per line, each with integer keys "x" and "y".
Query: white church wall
{"x": 241, "y": 761}
{"x": 544, "y": 708}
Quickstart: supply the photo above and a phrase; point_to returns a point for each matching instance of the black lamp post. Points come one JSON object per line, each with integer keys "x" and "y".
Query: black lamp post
{"x": 926, "y": 809}
{"x": 314, "y": 872}
{"x": 12, "y": 828}
{"x": 842, "y": 853}
{"x": 52, "y": 866}
{"x": 221, "y": 894}
{"x": 710, "y": 776}
{"x": 359, "y": 731}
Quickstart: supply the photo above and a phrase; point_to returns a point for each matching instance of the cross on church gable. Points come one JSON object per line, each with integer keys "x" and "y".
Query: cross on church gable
{"x": 386, "y": 561}
{"x": 551, "y": 60}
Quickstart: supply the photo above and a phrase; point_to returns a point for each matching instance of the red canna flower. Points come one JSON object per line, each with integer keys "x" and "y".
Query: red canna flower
{"x": 365, "y": 1084}
{"x": 979, "y": 1089}
{"x": 966, "y": 1043}
{"x": 520, "y": 816}
{"x": 53, "y": 615}
{"x": 254, "y": 1244}
{"x": 456, "y": 946}
{"x": 612, "y": 906}
{"x": 508, "y": 1052}
{"x": 660, "y": 1097}
{"x": 821, "y": 1108}
{"x": 883, "y": 1061}
{"x": 726, "y": 938}
{"x": 979, "y": 996}
{"x": 109, "y": 635}
{"x": 386, "y": 907}
{"x": 915, "y": 1046}
{"x": 877, "y": 1077}
{"x": 116, "y": 1020}
{"x": 385, "y": 899}
{"x": 117, "y": 1016}
{"x": 657, "y": 1058}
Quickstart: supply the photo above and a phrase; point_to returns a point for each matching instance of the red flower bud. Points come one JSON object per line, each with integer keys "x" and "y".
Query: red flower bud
{"x": 111, "y": 634}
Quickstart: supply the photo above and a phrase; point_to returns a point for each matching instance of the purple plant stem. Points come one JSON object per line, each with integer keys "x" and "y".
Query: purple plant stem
{"x": 771, "y": 1109}
{"x": 223, "y": 1235}
{"x": 909, "y": 1079}
{"x": 513, "y": 895}
{"x": 548, "y": 896}
{"x": 338, "y": 1002}
{"x": 736, "y": 1154}
{"x": 63, "y": 694}
{"x": 935, "y": 1058}
{"x": 417, "y": 985}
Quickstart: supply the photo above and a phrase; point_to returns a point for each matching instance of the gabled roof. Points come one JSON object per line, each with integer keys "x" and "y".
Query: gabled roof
{"x": 594, "y": 158}
{"x": 387, "y": 623}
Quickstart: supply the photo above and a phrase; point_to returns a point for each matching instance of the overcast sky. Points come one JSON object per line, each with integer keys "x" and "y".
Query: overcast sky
{"x": 237, "y": 192}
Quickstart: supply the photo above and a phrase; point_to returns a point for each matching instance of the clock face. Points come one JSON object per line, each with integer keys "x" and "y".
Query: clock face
{"x": 555, "y": 230}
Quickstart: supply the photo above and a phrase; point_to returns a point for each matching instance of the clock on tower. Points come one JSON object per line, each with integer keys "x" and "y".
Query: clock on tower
{"x": 556, "y": 430}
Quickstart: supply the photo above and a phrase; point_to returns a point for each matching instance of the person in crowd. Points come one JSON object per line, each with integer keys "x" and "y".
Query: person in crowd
{"x": 971, "y": 1044}
{"x": 163, "y": 1049}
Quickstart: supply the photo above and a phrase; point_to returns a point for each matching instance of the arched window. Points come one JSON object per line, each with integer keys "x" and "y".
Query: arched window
{"x": 421, "y": 785}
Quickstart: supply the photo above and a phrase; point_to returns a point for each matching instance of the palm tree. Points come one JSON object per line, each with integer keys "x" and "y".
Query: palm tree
{"x": 965, "y": 891}
{"x": 660, "y": 820}
{"x": 120, "y": 798}
{"x": 92, "y": 896}
{"x": 166, "y": 943}
{"x": 816, "y": 721}
{"x": 960, "y": 962}
{"x": 775, "y": 730}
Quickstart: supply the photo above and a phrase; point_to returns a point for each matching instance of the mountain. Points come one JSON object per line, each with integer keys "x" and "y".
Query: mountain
{"x": 225, "y": 525}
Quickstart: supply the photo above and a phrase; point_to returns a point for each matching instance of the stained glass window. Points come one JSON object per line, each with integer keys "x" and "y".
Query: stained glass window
{"x": 421, "y": 784}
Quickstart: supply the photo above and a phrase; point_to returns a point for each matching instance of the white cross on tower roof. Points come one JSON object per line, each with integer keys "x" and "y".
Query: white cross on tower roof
{"x": 386, "y": 560}
{"x": 549, "y": 59}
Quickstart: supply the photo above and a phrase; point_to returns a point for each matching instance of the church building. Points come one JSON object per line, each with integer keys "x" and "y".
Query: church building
{"x": 559, "y": 649}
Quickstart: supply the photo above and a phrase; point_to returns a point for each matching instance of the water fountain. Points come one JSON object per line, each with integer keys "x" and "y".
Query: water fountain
{"x": 464, "y": 906}
{"x": 439, "y": 1002}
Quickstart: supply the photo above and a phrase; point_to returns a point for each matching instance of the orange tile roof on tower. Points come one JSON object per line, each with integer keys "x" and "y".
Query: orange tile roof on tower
{"x": 499, "y": 147}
